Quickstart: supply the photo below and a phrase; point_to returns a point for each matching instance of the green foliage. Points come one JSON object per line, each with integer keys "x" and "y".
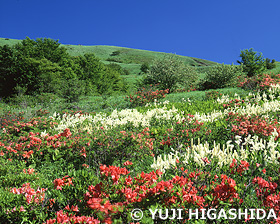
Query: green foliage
{"x": 71, "y": 90}
{"x": 105, "y": 79}
{"x": 39, "y": 75}
{"x": 145, "y": 68}
{"x": 41, "y": 48}
{"x": 7, "y": 70}
{"x": 270, "y": 64}
{"x": 30, "y": 64}
{"x": 170, "y": 73}
{"x": 118, "y": 68}
{"x": 212, "y": 95}
{"x": 254, "y": 62}
{"x": 41, "y": 66}
{"x": 115, "y": 53}
{"x": 114, "y": 60}
{"x": 131, "y": 59}
{"x": 221, "y": 76}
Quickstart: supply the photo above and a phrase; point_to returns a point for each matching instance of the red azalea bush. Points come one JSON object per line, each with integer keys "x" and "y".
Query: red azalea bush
{"x": 146, "y": 95}
{"x": 243, "y": 125}
{"x": 183, "y": 90}
{"x": 259, "y": 82}
{"x": 118, "y": 193}
{"x": 212, "y": 95}
{"x": 234, "y": 103}
{"x": 10, "y": 118}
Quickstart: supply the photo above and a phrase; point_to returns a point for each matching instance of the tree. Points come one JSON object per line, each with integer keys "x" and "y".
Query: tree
{"x": 32, "y": 65}
{"x": 253, "y": 62}
{"x": 41, "y": 48}
{"x": 270, "y": 64}
{"x": 170, "y": 73}
{"x": 7, "y": 71}
{"x": 43, "y": 66}
{"x": 104, "y": 78}
{"x": 221, "y": 76}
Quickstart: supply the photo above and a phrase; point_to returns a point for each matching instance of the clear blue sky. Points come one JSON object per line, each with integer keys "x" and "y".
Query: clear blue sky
{"x": 215, "y": 30}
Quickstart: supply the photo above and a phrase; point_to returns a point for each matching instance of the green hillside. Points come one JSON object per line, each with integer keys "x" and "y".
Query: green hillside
{"x": 131, "y": 59}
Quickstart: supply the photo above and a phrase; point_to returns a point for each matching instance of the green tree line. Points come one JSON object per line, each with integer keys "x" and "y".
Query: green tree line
{"x": 44, "y": 66}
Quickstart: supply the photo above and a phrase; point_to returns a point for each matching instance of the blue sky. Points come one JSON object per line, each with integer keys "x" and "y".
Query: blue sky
{"x": 214, "y": 30}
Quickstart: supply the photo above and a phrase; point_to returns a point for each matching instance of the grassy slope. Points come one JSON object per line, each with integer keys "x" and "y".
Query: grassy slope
{"x": 129, "y": 58}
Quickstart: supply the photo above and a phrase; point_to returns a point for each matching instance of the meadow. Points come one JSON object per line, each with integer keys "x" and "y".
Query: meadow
{"x": 100, "y": 158}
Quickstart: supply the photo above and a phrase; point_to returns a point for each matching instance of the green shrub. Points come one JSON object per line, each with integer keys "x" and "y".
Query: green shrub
{"x": 71, "y": 89}
{"x": 221, "y": 76}
{"x": 270, "y": 64}
{"x": 41, "y": 48}
{"x": 97, "y": 76}
{"x": 170, "y": 73}
{"x": 115, "y": 60}
{"x": 118, "y": 68}
{"x": 40, "y": 66}
{"x": 145, "y": 68}
{"x": 253, "y": 62}
{"x": 31, "y": 64}
{"x": 115, "y": 53}
{"x": 212, "y": 95}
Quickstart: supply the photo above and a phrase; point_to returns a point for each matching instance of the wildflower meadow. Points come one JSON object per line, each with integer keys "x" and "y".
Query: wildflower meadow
{"x": 220, "y": 153}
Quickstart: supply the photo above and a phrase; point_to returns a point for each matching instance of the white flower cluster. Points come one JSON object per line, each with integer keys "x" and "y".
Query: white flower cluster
{"x": 187, "y": 101}
{"x": 268, "y": 106}
{"x": 74, "y": 122}
{"x": 132, "y": 116}
{"x": 116, "y": 118}
{"x": 165, "y": 163}
{"x": 251, "y": 147}
{"x": 274, "y": 89}
{"x": 224, "y": 99}
{"x": 156, "y": 103}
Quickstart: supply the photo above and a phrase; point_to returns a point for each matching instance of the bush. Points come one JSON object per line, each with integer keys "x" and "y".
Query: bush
{"x": 221, "y": 76}
{"x": 40, "y": 66}
{"x": 115, "y": 60}
{"x": 71, "y": 89}
{"x": 270, "y": 64}
{"x": 7, "y": 71}
{"x": 145, "y": 68}
{"x": 146, "y": 95}
{"x": 170, "y": 73}
{"x": 212, "y": 95}
{"x": 31, "y": 64}
{"x": 253, "y": 62}
{"x": 115, "y": 53}
{"x": 41, "y": 48}
{"x": 260, "y": 82}
{"x": 97, "y": 76}
{"x": 118, "y": 68}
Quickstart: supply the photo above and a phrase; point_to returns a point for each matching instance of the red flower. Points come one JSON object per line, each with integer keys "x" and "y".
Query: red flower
{"x": 127, "y": 163}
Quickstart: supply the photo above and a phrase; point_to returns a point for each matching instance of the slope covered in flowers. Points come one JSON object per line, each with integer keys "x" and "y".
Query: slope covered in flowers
{"x": 97, "y": 167}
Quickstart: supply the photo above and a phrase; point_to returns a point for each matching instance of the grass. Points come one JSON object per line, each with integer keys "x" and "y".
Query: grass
{"x": 128, "y": 58}
{"x": 104, "y": 103}
{"x": 274, "y": 70}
